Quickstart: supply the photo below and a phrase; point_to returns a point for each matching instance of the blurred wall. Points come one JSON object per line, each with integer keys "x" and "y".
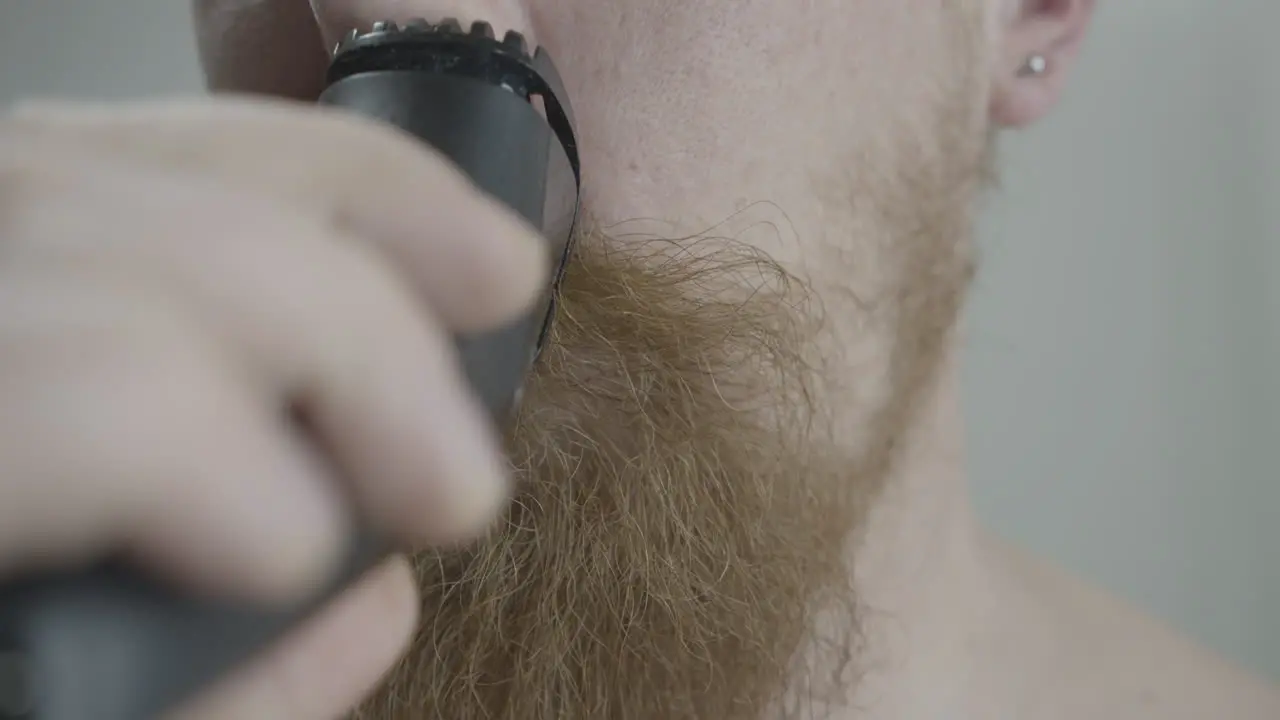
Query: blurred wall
{"x": 1125, "y": 333}
{"x": 1124, "y": 339}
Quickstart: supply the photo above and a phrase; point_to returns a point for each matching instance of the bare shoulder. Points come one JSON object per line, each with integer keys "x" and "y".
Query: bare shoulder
{"x": 1079, "y": 653}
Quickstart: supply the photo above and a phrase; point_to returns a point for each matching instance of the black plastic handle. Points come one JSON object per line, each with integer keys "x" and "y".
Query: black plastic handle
{"x": 111, "y": 644}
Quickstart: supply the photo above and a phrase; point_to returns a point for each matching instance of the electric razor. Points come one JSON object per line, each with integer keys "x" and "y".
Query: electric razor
{"x": 109, "y": 643}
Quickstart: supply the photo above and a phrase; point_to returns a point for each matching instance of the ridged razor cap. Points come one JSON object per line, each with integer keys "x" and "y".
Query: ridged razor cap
{"x": 447, "y": 30}
{"x": 446, "y": 47}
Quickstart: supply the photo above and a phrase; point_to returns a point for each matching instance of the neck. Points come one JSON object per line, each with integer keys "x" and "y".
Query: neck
{"x": 919, "y": 571}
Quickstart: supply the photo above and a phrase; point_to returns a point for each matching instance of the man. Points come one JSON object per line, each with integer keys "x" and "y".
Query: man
{"x": 738, "y": 479}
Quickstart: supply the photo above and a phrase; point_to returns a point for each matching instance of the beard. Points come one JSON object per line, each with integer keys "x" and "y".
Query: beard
{"x": 682, "y": 539}
{"x": 679, "y": 542}
{"x": 678, "y": 514}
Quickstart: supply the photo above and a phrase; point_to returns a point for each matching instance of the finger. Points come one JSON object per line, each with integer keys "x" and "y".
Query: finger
{"x": 317, "y": 319}
{"x": 121, "y": 426}
{"x": 475, "y": 262}
{"x": 329, "y": 664}
{"x": 271, "y": 47}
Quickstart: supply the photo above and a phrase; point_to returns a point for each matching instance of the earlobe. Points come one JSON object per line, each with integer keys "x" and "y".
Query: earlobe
{"x": 1027, "y": 91}
{"x": 1041, "y": 42}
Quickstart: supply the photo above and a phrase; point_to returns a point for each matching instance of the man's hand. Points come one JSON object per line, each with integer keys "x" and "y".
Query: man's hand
{"x": 175, "y": 279}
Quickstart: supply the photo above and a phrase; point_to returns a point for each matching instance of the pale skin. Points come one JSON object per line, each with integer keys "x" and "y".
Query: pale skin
{"x": 672, "y": 130}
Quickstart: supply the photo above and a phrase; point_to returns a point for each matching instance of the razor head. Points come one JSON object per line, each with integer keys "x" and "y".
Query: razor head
{"x": 476, "y": 52}
{"x": 498, "y": 110}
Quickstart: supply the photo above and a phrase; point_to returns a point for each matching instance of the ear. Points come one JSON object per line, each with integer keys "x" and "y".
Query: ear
{"x": 1048, "y": 32}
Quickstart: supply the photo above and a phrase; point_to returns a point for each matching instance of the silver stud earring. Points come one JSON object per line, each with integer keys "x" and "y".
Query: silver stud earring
{"x": 1035, "y": 66}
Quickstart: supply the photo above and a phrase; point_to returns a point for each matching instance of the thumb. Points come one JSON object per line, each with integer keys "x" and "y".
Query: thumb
{"x": 267, "y": 47}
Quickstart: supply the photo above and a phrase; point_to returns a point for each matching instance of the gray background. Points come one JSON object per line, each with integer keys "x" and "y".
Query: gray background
{"x": 1125, "y": 333}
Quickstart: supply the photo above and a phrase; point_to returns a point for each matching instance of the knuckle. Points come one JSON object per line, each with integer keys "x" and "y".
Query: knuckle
{"x": 138, "y": 412}
{"x": 27, "y": 187}
{"x": 174, "y": 437}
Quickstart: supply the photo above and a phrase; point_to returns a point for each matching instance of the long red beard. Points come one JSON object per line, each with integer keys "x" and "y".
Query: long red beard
{"x": 680, "y": 513}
